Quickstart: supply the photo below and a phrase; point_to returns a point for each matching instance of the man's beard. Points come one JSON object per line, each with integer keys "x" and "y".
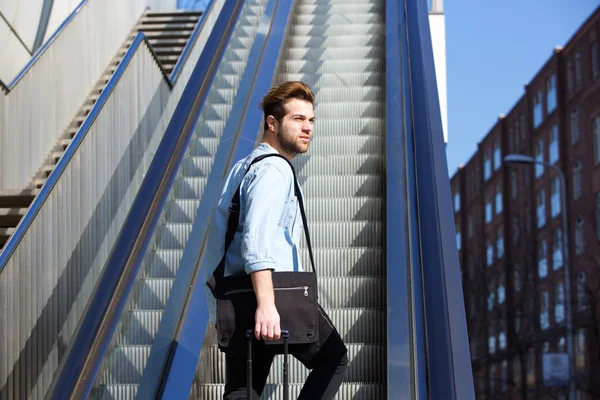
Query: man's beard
{"x": 290, "y": 146}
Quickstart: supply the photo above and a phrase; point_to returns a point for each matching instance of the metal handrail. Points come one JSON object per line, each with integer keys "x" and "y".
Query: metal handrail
{"x": 81, "y": 365}
{"x": 45, "y": 46}
{"x": 448, "y": 356}
{"x": 186, "y": 315}
{"x": 406, "y": 367}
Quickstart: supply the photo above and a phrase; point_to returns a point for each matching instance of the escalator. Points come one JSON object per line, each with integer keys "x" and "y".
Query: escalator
{"x": 338, "y": 49}
{"x": 366, "y": 209}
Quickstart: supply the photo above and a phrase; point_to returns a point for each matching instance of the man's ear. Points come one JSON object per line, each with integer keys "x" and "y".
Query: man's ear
{"x": 271, "y": 122}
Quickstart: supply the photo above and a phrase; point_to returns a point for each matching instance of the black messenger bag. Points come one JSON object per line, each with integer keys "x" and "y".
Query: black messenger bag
{"x": 295, "y": 292}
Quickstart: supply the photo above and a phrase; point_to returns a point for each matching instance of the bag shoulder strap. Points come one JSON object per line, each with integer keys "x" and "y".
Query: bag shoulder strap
{"x": 234, "y": 217}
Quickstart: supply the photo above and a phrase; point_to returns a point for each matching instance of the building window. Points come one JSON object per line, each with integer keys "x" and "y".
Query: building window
{"x": 523, "y": 125}
{"x": 539, "y": 156}
{"x": 559, "y": 303}
{"x": 498, "y": 198}
{"x": 500, "y": 243}
{"x": 492, "y": 339}
{"x": 491, "y": 300}
{"x": 488, "y": 209}
{"x": 579, "y": 244}
{"x": 562, "y": 345}
{"x": 580, "y": 350}
{"x": 469, "y": 226}
{"x": 578, "y": 75}
{"x": 598, "y": 215}
{"x": 537, "y": 109}
{"x": 554, "y": 144}
{"x": 497, "y": 154}
{"x": 487, "y": 166}
{"x": 470, "y": 266}
{"x": 516, "y": 230}
{"x": 504, "y": 371}
{"x": 542, "y": 260}
{"x": 541, "y": 208}
{"x": 596, "y": 135}
{"x": 516, "y": 367}
{"x": 501, "y": 289}
{"x": 492, "y": 380}
{"x": 581, "y": 291}
{"x": 531, "y": 368}
{"x": 550, "y": 94}
{"x": 456, "y": 200}
{"x": 557, "y": 255}
{"x": 570, "y": 77}
{"x": 511, "y": 141}
{"x": 458, "y": 237}
{"x": 502, "y": 339}
{"x": 516, "y": 278}
{"x": 490, "y": 254}
{"x": 595, "y": 61}
{"x": 514, "y": 184}
{"x": 574, "y": 125}
{"x": 544, "y": 310}
{"x": 555, "y": 197}
{"x": 576, "y": 180}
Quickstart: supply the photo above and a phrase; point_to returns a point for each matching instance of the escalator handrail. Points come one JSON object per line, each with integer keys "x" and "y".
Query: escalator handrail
{"x": 189, "y": 318}
{"x": 88, "y": 347}
{"x": 448, "y": 355}
{"x": 45, "y": 46}
{"x": 39, "y": 201}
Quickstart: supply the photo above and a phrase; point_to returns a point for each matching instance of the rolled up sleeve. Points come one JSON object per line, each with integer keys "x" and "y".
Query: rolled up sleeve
{"x": 264, "y": 196}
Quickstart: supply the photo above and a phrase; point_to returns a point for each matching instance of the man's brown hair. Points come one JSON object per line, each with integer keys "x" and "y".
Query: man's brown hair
{"x": 274, "y": 101}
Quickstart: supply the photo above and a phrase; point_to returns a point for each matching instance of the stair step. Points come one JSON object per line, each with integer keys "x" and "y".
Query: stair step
{"x": 334, "y": 53}
{"x": 320, "y": 67}
{"x": 365, "y": 365}
{"x": 177, "y": 19}
{"x": 346, "y": 144}
{"x": 165, "y": 59}
{"x": 347, "y": 235}
{"x": 17, "y": 198}
{"x": 162, "y": 27}
{"x": 173, "y": 13}
{"x": 340, "y": 165}
{"x": 336, "y": 80}
{"x": 342, "y": 186}
{"x": 190, "y": 187}
{"x": 127, "y": 364}
{"x": 334, "y": 19}
{"x": 164, "y": 263}
{"x": 338, "y": 262}
{"x": 166, "y": 35}
{"x": 174, "y": 236}
{"x": 336, "y": 9}
{"x": 169, "y": 51}
{"x": 10, "y": 217}
{"x": 344, "y": 210}
{"x": 337, "y": 30}
{"x": 354, "y": 391}
{"x": 139, "y": 327}
{"x": 5, "y": 234}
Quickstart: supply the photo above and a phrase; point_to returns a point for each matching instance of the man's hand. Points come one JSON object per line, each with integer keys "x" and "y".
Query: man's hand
{"x": 267, "y": 322}
{"x": 266, "y": 317}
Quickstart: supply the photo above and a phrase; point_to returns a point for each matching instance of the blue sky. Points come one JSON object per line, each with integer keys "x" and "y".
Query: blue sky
{"x": 493, "y": 48}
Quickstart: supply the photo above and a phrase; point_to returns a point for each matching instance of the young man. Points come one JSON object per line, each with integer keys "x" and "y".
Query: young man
{"x": 267, "y": 240}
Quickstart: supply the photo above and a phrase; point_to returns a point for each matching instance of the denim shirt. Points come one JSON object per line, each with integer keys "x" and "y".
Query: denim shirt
{"x": 270, "y": 225}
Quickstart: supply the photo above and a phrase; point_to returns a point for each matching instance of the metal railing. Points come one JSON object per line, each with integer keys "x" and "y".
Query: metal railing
{"x": 50, "y": 266}
{"x": 82, "y": 363}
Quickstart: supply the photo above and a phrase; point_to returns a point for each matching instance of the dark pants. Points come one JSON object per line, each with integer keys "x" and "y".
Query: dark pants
{"x": 327, "y": 360}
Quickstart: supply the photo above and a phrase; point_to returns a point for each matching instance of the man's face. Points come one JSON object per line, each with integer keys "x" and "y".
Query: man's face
{"x": 295, "y": 130}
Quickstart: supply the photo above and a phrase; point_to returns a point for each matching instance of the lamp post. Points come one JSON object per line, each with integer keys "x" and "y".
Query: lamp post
{"x": 523, "y": 159}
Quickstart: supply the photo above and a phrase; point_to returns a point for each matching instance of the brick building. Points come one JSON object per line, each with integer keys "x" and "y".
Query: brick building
{"x": 509, "y": 230}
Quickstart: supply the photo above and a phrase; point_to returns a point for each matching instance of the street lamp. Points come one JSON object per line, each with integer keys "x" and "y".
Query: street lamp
{"x": 523, "y": 159}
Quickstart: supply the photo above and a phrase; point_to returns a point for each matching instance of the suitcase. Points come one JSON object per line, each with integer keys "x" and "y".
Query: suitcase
{"x": 286, "y": 390}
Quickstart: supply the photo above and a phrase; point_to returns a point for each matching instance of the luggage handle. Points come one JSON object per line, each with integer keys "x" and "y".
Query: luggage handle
{"x": 249, "y": 335}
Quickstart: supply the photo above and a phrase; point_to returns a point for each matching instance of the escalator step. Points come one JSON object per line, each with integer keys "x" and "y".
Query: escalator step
{"x": 335, "y": 41}
{"x": 142, "y": 326}
{"x": 320, "y": 67}
{"x": 127, "y": 364}
{"x": 354, "y": 391}
{"x": 203, "y": 146}
{"x": 354, "y": 126}
{"x": 319, "y": 54}
{"x": 342, "y": 186}
{"x": 359, "y": 109}
{"x": 334, "y": 30}
{"x": 174, "y": 236}
{"x": 340, "y": 165}
{"x": 346, "y": 144}
{"x": 365, "y": 361}
{"x": 196, "y": 166}
{"x": 318, "y": 81}
{"x": 361, "y": 18}
{"x": 182, "y": 211}
{"x": 164, "y": 263}
{"x": 324, "y": 9}
{"x": 190, "y": 187}
{"x": 349, "y": 234}
{"x": 344, "y": 210}
{"x": 339, "y": 262}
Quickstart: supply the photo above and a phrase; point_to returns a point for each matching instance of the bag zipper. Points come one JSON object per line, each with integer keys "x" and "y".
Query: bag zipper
{"x": 305, "y": 288}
